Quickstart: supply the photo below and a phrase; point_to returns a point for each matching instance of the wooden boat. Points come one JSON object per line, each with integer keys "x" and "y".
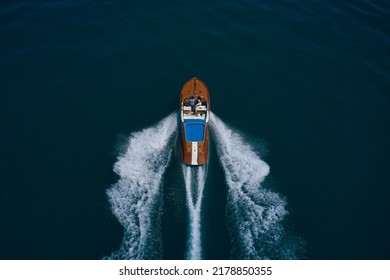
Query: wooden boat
{"x": 194, "y": 114}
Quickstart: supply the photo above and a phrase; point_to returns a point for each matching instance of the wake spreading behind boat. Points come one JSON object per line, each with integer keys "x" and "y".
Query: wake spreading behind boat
{"x": 194, "y": 114}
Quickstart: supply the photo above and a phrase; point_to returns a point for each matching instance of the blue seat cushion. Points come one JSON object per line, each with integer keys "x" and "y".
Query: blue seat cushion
{"x": 194, "y": 131}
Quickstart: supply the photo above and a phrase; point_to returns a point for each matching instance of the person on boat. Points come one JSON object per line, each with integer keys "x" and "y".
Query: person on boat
{"x": 198, "y": 104}
{"x": 192, "y": 103}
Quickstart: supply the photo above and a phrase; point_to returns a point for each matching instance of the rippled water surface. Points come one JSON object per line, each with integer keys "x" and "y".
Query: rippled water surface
{"x": 300, "y": 91}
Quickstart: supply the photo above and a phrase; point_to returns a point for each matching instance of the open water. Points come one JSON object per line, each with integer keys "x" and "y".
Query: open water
{"x": 90, "y": 165}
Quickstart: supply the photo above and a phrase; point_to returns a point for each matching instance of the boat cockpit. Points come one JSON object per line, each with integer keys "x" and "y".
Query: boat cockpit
{"x": 194, "y": 108}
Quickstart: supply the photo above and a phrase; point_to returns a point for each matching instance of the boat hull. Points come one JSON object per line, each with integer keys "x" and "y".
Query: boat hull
{"x": 194, "y": 122}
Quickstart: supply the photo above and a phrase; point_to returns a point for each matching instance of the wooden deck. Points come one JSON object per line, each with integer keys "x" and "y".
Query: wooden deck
{"x": 195, "y": 87}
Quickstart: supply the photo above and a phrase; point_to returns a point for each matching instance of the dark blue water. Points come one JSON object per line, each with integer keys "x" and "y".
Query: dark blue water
{"x": 306, "y": 83}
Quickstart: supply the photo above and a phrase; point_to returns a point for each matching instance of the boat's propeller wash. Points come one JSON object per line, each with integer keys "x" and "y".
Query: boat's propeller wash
{"x": 255, "y": 214}
{"x": 137, "y": 196}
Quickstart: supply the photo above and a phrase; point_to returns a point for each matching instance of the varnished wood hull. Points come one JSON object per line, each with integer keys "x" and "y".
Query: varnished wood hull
{"x": 195, "y": 142}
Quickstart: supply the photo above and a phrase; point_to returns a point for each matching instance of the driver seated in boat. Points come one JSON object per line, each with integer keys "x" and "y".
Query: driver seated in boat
{"x": 192, "y": 103}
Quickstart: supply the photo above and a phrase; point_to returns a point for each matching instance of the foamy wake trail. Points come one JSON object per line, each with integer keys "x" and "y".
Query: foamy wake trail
{"x": 194, "y": 180}
{"x": 136, "y": 198}
{"x": 255, "y": 214}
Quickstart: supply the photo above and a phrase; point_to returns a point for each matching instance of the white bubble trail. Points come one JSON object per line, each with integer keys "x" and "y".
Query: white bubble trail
{"x": 194, "y": 178}
{"x": 136, "y": 198}
{"x": 255, "y": 214}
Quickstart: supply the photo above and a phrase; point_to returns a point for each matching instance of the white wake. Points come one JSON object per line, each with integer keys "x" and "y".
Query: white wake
{"x": 136, "y": 198}
{"x": 194, "y": 178}
{"x": 255, "y": 214}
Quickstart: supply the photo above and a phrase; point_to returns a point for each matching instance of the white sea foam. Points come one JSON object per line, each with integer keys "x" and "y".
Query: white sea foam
{"x": 194, "y": 178}
{"x": 255, "y": 214}
{"x": 136, "y": 198}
